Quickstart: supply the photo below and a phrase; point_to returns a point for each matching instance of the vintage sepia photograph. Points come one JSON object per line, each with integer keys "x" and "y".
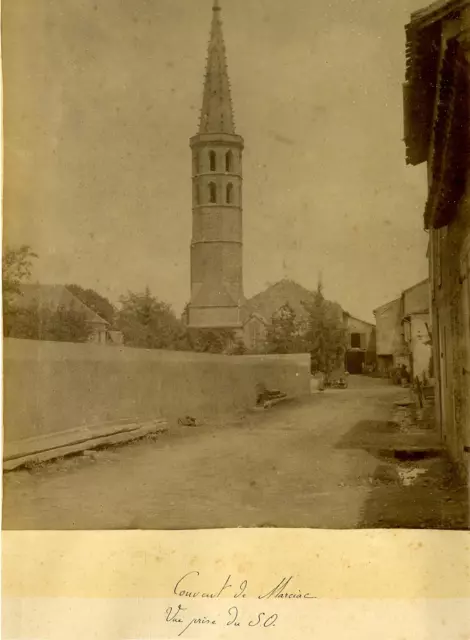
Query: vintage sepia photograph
{"x": 236, "y": 258}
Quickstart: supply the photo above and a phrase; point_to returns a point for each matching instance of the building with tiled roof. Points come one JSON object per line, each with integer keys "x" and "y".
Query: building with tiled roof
{"x": 402, "y": 331}
{"x": 258, "y": 311}
{"x": 55, "y": 296}
{"x": 437, "y": 131}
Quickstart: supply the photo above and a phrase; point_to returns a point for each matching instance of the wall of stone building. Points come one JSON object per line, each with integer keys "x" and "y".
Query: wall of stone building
{"x": 201, "y": 157}
{"x": 254, "y": 333}
{"x": 98, "y": 335}
{"x": 53, "y": 387}
{"x": 211, "y": 261}
{"x": 385, "y": 364}
{"x": 214, "y": 317}
{"x": 419, "y": 345}
{"x": 416, "y": 299}
{"x": 213, "y": 222}
{"x": 366, "y": 331}
{"x": 389, "y": 329}
{"x": 450, "y": 268}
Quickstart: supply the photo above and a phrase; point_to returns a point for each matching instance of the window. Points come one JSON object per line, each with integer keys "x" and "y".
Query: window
{"x": 197, "y": 195}
{"x": 212, "y": 160}
{"x": 212, "y": 192}
{"x": 196, "y": 163}
{"x": 229, "y": 162}
{"x": 229, "y": 193}
{"x": 355, "y": 340}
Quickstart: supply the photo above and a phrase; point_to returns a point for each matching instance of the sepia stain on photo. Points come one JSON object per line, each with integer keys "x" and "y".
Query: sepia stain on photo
{"x": 268, "y": 326}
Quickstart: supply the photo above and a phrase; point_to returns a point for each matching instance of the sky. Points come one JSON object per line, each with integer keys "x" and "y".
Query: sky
{"x": 102, "y": 96}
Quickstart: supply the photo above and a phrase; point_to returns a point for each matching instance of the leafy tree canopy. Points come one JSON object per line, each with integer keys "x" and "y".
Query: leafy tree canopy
{"x": 213, "y": 340}
{"x": 325, "y": 336}
{"x": 283, "y": 334}
{"x": 43, "y": 323}
{"x": 17, "y": 264}
{"x": 148, "y": 322}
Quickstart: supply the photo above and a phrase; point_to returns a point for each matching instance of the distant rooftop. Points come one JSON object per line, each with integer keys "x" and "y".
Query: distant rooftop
{"x": 267, "y": 302}
{"x": 54, "y": 296}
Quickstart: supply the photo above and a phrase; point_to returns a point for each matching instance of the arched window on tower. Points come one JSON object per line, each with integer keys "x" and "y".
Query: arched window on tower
{"x": 212, "y": 160}
{"x": 229, "y": 193}
{"x": 198, "y": 194}
{"x": 229, "y": 162}
{"x": 197, "y": 169}
{"x": 212, "y": 192}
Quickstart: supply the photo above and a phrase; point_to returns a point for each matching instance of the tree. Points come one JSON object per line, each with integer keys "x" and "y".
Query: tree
{"x": 16, "y": 269}
{"x": 63, "y": 324}
{"x": 212, "y": 340}
{"x": 237, "y": 348}
{"x": 325, "y": 336}
{"x": 93, "y": 300}
{"x": 283, "y": 334}
{"x": 147, "y": 322}
{"x": 185, "y": 315}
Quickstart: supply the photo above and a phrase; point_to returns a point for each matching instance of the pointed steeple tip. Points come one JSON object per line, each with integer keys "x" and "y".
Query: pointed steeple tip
{"x": 217, "y": 112}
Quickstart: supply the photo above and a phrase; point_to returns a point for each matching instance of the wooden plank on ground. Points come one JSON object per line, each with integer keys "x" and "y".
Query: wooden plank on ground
{"x": 121, "y": 437}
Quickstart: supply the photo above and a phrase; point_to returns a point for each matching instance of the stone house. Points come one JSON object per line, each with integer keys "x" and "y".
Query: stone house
{"x": 416, "y": 322}
{"x": 259, "y": 310}
{"x": 361, "y": 343}
{"x": 437, "y": 125}
{"x": 255, "y": 329}
{"x": 54, "y": 296}
{"x": 389, "y": 342}
{"x": 403, "y": 332}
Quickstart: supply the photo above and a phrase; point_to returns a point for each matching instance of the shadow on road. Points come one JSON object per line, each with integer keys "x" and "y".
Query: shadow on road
{"x": 416, "y": 489}
{"x": 368, "y": 434}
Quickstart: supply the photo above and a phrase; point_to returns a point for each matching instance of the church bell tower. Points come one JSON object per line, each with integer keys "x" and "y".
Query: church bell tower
{"x": 216, "y": 245}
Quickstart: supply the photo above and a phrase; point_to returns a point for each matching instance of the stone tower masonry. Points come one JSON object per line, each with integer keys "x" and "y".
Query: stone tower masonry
{"x": 216, "y": 245}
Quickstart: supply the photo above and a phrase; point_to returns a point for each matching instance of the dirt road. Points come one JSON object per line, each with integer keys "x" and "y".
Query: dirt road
{"x": 290, "y": 466}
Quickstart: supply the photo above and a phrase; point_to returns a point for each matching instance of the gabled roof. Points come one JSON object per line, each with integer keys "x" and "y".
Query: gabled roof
{"x": 415, "y": 286}
{"x": 387, "y": 304}
{"x": 451, "y": 134}
{"x": 423, "y": 49}
{"x": 267, "y": 302}
{"x": 54, "y": 296}
{"x": 349, "y": 315}
{"x": 416, "y": 298}
{"x": 251, "y": 316}
{"x": 399, "y": 301}
{"x": 275, "y": 296}
{"x": 435, "y": 12}
{"x": 217, "y": 111}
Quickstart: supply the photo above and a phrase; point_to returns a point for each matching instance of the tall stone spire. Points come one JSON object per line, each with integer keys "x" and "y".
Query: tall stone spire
{"x": 217, "y": 233}
{"x": 216, "y": 112}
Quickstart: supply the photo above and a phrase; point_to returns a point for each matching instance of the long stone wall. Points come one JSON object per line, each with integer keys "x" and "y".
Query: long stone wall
{"x": 54, "y": 388}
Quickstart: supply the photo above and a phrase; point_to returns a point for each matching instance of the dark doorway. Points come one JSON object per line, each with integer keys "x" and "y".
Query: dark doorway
{"x": 354, "y": 361}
